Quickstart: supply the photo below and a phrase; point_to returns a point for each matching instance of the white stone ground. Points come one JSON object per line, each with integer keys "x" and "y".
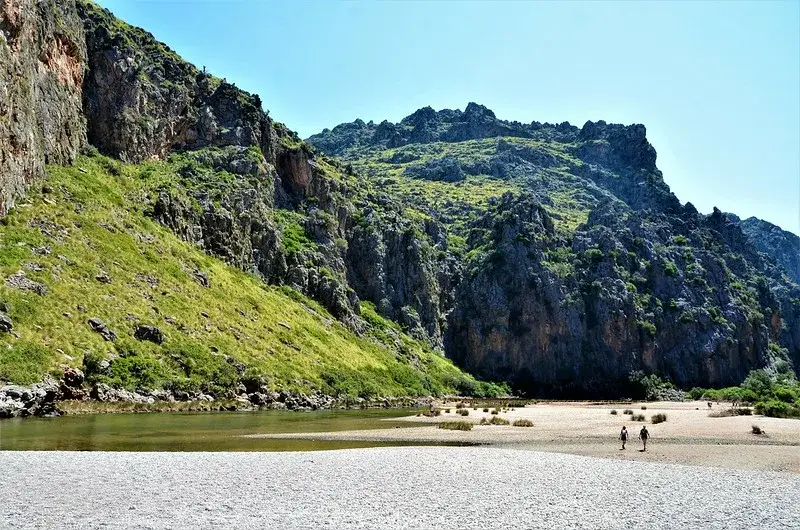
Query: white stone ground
{"x": 402, "y": 487}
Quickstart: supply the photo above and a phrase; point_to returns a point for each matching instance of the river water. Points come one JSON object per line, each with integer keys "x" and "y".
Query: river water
{"x": 194, "y": 431}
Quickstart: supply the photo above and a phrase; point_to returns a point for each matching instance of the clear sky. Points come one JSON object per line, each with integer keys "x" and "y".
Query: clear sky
{"x": 717, "y": 84}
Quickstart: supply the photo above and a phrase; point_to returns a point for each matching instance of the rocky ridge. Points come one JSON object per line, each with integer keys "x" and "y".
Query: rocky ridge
{"x": 579, "y": 266}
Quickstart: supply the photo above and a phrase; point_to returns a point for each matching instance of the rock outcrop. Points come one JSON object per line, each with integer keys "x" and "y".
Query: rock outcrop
{"x": 143, "y": 101}
{"x": 780, "y": 245}
{"x": 42, "y": 65}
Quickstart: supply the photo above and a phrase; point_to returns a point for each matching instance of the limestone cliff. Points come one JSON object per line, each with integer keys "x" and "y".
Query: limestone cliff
{"x": 42, "y": 66}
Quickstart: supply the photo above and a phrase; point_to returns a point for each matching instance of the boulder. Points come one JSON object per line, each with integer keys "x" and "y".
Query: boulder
{"x": 100, "y": 327}
{"x": 149, "y": 333}
{"x": 6, "y": 324}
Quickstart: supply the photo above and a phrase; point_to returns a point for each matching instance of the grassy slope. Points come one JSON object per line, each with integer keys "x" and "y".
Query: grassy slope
{"x": 457, "y": 203}
{"x": 91, "y": 221}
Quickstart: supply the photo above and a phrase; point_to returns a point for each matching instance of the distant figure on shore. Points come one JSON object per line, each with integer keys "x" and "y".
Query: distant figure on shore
{"x": 643, "y": 436}
{"x": 623, "y": 435}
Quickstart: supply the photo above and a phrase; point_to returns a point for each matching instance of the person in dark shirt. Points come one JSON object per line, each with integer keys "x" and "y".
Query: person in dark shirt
{"x": 623, "y": 436}
{"x": 643, "y": 436}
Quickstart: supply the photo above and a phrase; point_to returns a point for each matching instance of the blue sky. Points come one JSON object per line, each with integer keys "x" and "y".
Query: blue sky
{"x": 717, "y": 84}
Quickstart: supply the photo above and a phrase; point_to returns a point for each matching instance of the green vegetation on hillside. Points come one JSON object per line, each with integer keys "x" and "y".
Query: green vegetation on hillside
{"x": 460, "y": 178}
{"x": 86, "y": 249}
{"x": 774, "y": 394}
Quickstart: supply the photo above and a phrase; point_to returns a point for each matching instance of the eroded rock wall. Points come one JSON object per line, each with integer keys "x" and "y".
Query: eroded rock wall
{"x": 42, "y": 66}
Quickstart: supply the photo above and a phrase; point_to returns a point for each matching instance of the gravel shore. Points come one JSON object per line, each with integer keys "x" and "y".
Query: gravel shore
{"x": 399, "y": 487}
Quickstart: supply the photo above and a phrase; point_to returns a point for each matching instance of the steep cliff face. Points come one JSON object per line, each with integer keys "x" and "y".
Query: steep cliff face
{"x": 143, "y": 101}
{"x": 574, "y": 264}
{"x": 42, "y": 63}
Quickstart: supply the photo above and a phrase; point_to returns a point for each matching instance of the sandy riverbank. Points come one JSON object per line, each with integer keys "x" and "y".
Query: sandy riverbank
{"x": 482, "y": 488}
{"x": 689, "y": 436}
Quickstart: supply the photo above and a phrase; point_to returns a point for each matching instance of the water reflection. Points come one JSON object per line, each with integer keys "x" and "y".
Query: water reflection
{"x": 200, "y": 431}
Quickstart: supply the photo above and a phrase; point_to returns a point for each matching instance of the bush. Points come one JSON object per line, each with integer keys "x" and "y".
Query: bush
{"x": 447, "y": 411}
{"x": 638, "y": 417}
{"x": 456, "y": 425}
{"x": 486, "y": 410}
{"x": 463, "y": 412}
{"x": 755, "y": 429}
{"x": 759, "y": 382}
{"x": 777, "y": 409}
{"x": 523, "y": 423}
{"x": 650, "y": 387}
{"x": 614, "y": 412}
{"x": 644, "y": 407}
{"x": 496, "y": 420}
{"x": 658, "y": 418}
{"x": 495, "y": 411}
{"x": 733, "y": 411}
{"x": 696, "y": 393}
{"x": 627, "y": 411}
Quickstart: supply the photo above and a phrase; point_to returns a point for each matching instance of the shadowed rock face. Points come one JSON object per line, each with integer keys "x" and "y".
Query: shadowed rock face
{"x": 42, "y": 62}
{"x": 558, "y": 307}
{"x": 584, "y": 332}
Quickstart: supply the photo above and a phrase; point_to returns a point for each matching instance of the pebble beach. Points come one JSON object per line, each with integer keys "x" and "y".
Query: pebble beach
{"x": 392, "y": 488}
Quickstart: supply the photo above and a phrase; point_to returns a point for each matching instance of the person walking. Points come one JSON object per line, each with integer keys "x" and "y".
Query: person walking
{"x": 623, "y": 436}
{"x": 643, "y": 436}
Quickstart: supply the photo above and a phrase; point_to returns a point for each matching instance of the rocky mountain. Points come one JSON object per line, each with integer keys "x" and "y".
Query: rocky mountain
{"x": 780, "y": 245}
{"x": 549, "y": 256}
{"x": 576, "y": 267}
{"x": 102, "y": 261}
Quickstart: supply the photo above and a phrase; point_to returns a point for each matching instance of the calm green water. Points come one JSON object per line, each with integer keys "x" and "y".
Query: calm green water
{"x": 192, "y": 431}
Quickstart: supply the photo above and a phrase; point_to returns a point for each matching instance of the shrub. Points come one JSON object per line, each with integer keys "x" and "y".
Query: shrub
{"x": 648, "y": 327}
{"x": 523, "y": 423}
{"x": 733, "y": 411}
{"x": 495, "y": 411}
{"x": 658, "y": 418}
{"x": 447, "y": 411}
{"x": 463, "y": 412}
{"x": 496, "y": 420}
{"x": 650, "y": 387}
{"x": 456, "y": 425}
{"x": 755, "y": 429}
{"x": 614, "y": 412}
{"x": 627, "y": 411}
{"x": 777, "y": 409}
{"x": 638, "y": 417}
{"x": 696, "y": 393}
{"x": 644, "y": 407}
{"x": 759, "y": 382}
{"x": 486, "y": 410}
